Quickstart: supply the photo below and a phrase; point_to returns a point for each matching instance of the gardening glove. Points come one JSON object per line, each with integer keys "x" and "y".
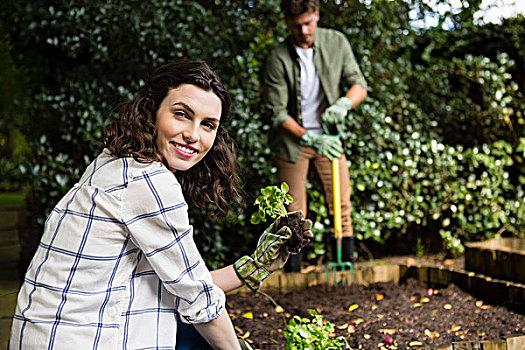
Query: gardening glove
{"x": 326, "y": 145}
{"x": 271, "y": 253}
{"x": 336, "y": 113}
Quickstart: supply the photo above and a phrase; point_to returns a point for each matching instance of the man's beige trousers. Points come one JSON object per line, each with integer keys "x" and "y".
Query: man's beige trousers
{"x": 295, "y": 174}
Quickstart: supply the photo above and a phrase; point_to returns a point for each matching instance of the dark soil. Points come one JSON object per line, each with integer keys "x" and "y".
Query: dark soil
{"x": 294, "y": 223}
{"x": 405, "y": 313}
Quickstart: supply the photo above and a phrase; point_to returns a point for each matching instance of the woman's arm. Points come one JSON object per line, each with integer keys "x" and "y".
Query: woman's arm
{"x": 219, "y": 332}
{"x": 226, "y": 279}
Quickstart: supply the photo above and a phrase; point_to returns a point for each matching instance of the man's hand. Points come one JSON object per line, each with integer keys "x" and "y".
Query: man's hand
{"x": 271, "y": 253}
{"x": 326, "y": 145}
{"x": 336, "y": 113}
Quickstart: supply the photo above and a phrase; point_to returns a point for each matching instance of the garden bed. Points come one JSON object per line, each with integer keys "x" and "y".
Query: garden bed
{"x": 385, "y": 315}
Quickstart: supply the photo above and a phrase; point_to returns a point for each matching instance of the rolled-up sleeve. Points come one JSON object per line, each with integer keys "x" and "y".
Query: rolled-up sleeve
{"x": 275, "y": 91}
{"x": 156, "y": 215}
{"x": 351, "y": 73}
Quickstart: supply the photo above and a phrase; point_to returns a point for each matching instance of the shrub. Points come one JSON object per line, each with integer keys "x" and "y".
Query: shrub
{"x": 437, "y": 144}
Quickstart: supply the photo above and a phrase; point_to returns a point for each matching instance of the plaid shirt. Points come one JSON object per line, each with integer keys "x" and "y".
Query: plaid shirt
{"x": 116, "y": 264}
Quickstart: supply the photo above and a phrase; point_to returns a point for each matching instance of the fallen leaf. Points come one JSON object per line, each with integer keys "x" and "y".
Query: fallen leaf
{"x": 374, "y": 307}
{"x": 379, "y": 297}
{"x": 431, "y": 334}
{"x": 248, "y": 315}
{"x": 447, "y": 306}
{"x": 388, "y": 331}
{"x": 353, "y": 307}
{"x": 279, "y": 309}
{"x": 417, "y": 304}
{"x": 343, "y": 326}
{"x": 245, "y": 335}
{"x": 238, "y": 329}
{"x": 358, "y": 321}
{"x": 425, "y": 300}
{"x": 455, "y": 328}
{"x": 367, "y": 336}
{"x": 415, "y": 343}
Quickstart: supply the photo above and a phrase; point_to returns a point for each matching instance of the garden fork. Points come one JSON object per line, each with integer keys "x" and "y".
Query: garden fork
{"x": 340, "y": 265}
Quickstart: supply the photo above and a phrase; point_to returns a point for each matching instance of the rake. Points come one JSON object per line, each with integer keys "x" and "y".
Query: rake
{"x": 340, "y": 265}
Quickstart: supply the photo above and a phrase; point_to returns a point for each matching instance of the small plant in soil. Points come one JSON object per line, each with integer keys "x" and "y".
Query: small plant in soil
{"x": 272, "y": 203}
{"x": 315, "y": 334}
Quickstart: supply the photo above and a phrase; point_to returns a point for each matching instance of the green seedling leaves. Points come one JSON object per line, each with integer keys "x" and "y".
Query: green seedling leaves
{"x": 315, "y": 334}
{"x": 272, "y": 202}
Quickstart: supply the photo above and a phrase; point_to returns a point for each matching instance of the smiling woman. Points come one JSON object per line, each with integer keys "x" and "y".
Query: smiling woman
{"x": 117, "y": 266}
{"x": 186, "y": 125}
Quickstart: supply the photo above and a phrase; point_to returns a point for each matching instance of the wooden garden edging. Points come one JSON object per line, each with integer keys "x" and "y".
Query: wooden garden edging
{"x": 491, "y": 290}
{"x": 501, "y": 258}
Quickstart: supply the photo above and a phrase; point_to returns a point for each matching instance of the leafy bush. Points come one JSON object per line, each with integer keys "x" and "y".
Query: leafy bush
{"x": 437, "y": 145}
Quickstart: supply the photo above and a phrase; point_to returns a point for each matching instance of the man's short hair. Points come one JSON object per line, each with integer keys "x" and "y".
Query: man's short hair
{"x": 292, "y": 8}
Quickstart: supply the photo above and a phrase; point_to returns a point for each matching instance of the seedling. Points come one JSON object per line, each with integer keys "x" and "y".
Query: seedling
{"x": 272, "y": 202}
{"x": 303, "y": 333}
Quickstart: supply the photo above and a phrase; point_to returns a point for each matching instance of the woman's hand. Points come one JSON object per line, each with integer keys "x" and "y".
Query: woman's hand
{"x": 271, "y": 253}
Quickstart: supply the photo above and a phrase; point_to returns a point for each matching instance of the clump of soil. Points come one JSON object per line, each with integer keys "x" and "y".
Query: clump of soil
{"x": 409, "y": 315}
{"x": 297, "y": 240}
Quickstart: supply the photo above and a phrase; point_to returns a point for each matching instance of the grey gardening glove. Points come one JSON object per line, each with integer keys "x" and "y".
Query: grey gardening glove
{"x": 336, "y": 113}
{"x": 271, "y": 253}
{"x": 326, "y": 145}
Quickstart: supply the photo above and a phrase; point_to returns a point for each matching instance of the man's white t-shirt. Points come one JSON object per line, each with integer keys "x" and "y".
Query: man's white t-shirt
{"x": 313, "y": 101}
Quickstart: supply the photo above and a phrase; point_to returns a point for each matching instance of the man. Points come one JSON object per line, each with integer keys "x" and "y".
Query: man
{"x": 301, "y": 94}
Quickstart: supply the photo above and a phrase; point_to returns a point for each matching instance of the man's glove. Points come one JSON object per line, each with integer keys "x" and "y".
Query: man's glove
{"x": 336, "y": 113}
{"x": 326, "y": 145}
{"x": 271, "y": 253}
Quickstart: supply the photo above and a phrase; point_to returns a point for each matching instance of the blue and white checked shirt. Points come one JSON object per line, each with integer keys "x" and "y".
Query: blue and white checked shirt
{"x": 116, "y": 264}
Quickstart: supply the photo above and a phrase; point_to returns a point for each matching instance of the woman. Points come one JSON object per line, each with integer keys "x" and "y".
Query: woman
{"x": 117, "y": 266}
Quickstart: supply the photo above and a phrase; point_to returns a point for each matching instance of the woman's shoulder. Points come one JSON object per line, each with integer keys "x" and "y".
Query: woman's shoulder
{"x": 108, "y": 171}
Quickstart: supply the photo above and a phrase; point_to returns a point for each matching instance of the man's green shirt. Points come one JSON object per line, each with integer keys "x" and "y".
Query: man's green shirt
{"x": 335, "y": 64}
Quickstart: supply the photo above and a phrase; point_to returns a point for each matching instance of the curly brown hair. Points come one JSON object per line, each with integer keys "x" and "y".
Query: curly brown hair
{"x": 292, "y": 8}
{"x": 213, "y": 182}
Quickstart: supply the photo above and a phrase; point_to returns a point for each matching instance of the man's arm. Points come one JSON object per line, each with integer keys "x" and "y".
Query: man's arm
{"x": 356, "y": 93}
{"x": 290, "y": 126}
{"x": 275, "y": 91}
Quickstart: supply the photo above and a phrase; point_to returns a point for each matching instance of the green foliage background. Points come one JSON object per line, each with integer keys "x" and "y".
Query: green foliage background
{"x": 438, "y": 145}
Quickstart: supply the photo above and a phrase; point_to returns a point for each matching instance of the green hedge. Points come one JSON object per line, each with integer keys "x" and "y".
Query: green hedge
{"x": 436, "y": 145}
